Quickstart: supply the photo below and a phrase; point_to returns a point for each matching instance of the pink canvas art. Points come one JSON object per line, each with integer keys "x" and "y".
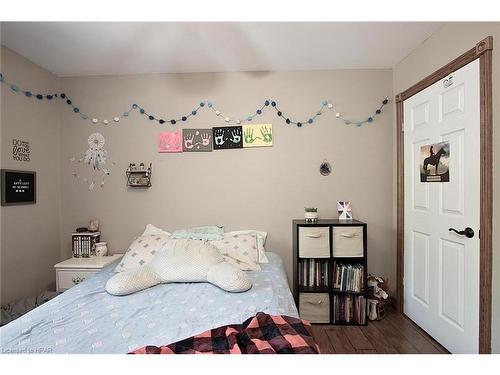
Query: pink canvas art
{"x": 170, "y": 142}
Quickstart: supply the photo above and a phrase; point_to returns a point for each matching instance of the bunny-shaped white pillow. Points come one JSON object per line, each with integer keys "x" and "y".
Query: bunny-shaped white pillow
{"x": 182, "y": 260}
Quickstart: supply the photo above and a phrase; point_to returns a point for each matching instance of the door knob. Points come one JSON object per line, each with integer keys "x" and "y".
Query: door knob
{"x": 467, "y": 232}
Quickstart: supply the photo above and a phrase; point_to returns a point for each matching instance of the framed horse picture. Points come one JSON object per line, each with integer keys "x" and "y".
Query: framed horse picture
{"x": 434, "y": 162}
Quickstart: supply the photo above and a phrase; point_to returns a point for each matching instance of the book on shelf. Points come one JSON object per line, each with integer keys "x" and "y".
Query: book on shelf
{"x": 313, "y": 273}
{"x": 348, "y": 277}
{"x": 349, "y": 309}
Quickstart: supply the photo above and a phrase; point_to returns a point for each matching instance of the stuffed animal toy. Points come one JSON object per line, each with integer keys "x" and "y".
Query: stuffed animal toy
{"x": 182, "y": 260}
{"x": 376, "y": 284}
{"x": 376, "y": 300}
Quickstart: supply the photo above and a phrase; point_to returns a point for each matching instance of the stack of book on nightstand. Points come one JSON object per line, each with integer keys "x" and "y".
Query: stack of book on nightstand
{"x": 83, "y": 243}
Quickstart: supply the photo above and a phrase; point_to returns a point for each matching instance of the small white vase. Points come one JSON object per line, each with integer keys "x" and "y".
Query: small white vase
{"x": 311, "y": 216}
{"x": 101, "y": 249}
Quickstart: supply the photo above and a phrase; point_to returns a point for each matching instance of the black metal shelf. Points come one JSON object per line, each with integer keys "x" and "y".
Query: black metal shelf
{"x": 139, "y": 178}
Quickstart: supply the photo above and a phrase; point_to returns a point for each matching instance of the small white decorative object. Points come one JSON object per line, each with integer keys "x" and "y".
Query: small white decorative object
{"x": 116, "y": 119}
{"x": 105, "y": 122}
{"x": 217, "y": 113}
{"x": 93, "y": 225}
{"x": 344, "y": 210}
{"x": 330, "y": 105}
{"x": 337, "y": 115}
{"x": 311, "y": 214}
{"x": 372, "y": 309}
{"x": 101, "y": 249}
{"x": 227, "y": 119}
{"x": 95, "y": 121}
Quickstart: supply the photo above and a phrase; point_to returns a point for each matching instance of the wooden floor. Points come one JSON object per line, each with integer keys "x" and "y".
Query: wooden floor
{"x": 392, "y": 335}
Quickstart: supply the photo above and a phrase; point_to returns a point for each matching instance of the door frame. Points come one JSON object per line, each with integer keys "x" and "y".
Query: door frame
{"x": 483, "y": 52}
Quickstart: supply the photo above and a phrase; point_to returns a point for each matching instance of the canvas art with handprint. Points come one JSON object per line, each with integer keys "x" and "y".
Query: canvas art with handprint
{"x": 169, "y": 142}
{"x": 258, "y": 135}
{"x": 197, "y": 140}
{"x": 227, "y": 137}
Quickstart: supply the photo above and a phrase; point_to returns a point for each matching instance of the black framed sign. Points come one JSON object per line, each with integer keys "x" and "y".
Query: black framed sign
{"x": 18, "y": 187}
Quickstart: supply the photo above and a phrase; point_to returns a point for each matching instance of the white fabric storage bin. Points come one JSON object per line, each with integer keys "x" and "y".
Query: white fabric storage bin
{"x": 314, "y": 242}
{"x": 347, "y": 241}
{"x": 314, "y": 307}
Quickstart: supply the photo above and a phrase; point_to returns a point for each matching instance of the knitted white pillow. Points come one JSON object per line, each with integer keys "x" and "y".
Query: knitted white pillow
{"x": 182, "y": 260}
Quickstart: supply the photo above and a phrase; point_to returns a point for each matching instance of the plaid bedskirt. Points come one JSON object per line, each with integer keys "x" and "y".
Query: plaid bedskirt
{"x": 261, "y": 334}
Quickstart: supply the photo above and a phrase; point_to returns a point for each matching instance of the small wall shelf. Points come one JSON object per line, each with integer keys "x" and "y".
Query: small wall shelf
{"x": 138, "y": 176}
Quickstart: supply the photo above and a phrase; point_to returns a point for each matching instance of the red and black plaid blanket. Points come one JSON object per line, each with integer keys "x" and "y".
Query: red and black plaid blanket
{"x": 261, "y": 334}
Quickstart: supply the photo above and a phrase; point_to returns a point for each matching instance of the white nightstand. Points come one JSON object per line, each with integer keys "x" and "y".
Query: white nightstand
{"x": 74, "y": 270}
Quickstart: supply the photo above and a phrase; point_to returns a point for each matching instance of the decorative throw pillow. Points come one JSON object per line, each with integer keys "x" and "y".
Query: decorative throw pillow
{"x": 142, "y": 251}
{"x": 181, "y": 261}
{"x": 209, "y": 233}
{"x": 151, "y": 229}
{"x": 239, "y": 250}
{"x": 261, "y": 241}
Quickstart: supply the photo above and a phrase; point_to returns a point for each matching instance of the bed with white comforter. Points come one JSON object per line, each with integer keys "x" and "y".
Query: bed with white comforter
{"x": 86, "y": 319}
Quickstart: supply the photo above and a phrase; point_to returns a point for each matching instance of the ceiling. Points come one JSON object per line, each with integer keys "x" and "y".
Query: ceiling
{"x": 111, "y": 48}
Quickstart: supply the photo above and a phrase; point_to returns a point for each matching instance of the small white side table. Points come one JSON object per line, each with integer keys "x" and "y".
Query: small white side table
{"x": 74, "y": 270}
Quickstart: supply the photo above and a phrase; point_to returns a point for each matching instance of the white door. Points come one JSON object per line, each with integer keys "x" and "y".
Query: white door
{"x": 441, "y": 267}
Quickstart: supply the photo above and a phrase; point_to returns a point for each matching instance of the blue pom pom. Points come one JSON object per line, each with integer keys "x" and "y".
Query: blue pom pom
{"x": 76, "y": 110}
{"x": 249, "y": 118}
{"x": 142, "y": 111}
{"x": 259, "y": 112}
{"x": 161, "y": 121}
{"x": 202, "y": 104}
{"x": 324, "y": 102}
{"x": 173, "y": 122}
{"x": 125, "y": 114}
{"x": 266, "y": 103}
{"x": 310, "y": 121}
{"x": 193, "y": 112}
{"x": 28, "y": 94}
{"x": 39, "y": 96}
{"x": 299, "y": 124}
{"x": 134, "y": 106}
{"x": 1, "y": 77}
{"x": 184, "y": 118}
{"x": 49, "y": 97}
{"x": 370, "y": 119}
{"x": 151, "y": 117}
{"x": 287, "y": 120}
{"x": 209, "y": 105}
{"x": 318, "y": 113}
{"x": 14, "y": 88}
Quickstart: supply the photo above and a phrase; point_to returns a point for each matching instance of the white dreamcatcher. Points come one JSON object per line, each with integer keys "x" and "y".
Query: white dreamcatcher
{"x": 95, "y": 157}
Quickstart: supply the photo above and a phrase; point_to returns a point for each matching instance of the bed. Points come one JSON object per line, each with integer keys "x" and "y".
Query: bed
{"x": 86, "y": 319}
